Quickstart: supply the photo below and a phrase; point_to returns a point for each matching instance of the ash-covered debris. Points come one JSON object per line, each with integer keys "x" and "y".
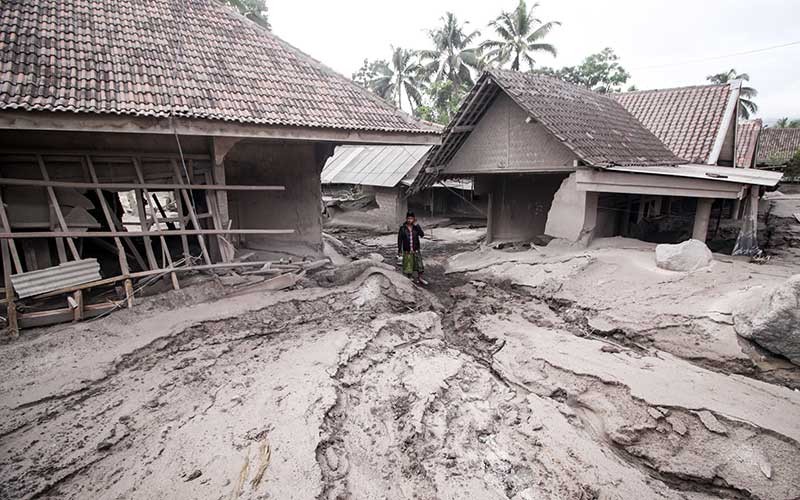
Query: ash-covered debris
{"x": 583, "y": 375}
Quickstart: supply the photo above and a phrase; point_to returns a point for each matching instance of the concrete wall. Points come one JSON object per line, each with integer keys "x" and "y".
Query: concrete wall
{"x": 503, "y": 142}
{"x": 295, "y": 165}
{"x": 392, "y": 206}
{"x": 520, "y": 203}
{"x": 566, "y": 218}
{"x": 387, "y": 212}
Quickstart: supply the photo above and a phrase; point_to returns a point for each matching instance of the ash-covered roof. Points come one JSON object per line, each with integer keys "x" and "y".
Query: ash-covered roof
{"x": 777, "y": 145}
{"x": 183, "y": 58}
{"x": 746, "y": 140}
{"x": 691, "y": 121}
{"x": 595, "y": 127}
{"x": 384, "y": 166}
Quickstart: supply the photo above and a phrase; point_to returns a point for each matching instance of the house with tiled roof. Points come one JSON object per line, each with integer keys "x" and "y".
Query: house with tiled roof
{"x": 697, "y": 123}
{"x": 747, "y": 134}
{"x": 188, "y": 80}
{"x": 558, "y": 160}
{"x": 106, "y": 104}
{"x": 776, "y": 146}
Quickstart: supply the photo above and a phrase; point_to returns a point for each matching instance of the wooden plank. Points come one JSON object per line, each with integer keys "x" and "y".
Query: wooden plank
{"x": 101, "y": 154}
{"x": 77, "y": 310}
{"x": 137, "y": 234}
{"x": 128, "y": 186}
{"x": 123, "y": 258}
{"x": 143, "y": 222}
{"x": 187, "y": 255}
{"x": 153, "y": 272}
{"x": 164, "y": 248}
{"x": 54, "y": 203}
{"x": 226, "y": 250}
{"x": 7, "y": 228}
{"x": 89, "y": 122}
{"x": 11, "y": 308}
{"x": 190, "y": 208}
{"x": 120, "y": 232}
{"x": 44, "y": 318}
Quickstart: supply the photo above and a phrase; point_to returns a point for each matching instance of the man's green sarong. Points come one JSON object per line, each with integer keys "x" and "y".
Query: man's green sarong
{"x": 412, "y": 261}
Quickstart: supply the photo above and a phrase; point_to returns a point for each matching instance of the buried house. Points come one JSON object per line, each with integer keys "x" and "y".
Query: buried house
{"x": 212, "y": 128}
{"x": 559, "y": 160}
{"x": 367, "y": 185}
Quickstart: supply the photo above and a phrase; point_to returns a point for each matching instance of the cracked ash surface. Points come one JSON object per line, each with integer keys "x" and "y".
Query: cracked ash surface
{"x": 524, "y": 375}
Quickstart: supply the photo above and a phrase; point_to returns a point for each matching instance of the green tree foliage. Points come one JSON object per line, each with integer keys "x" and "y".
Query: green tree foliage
{"x": 368, "y": 71}
{"x": 792, "y": 170}
{"x": 444, "y": 98}
{"x": 746, "y": 105}
{"x": 600, "y": 72}
{"x": 518, "y": 36}
{"x": 403, "y": 74}
{"x": 453, "y": 56}
{"x": 255, "y": 10}
{"x": 787, "y": 123}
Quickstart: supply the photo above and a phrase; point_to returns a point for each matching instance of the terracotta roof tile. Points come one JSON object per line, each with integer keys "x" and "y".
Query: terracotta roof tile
{"x": 777, "y": 145}
{"x": 187, "y": 58}
{"x": 686, "y": 119}
{"x": 746, "y": 140}
{"x": 595, "y": 127}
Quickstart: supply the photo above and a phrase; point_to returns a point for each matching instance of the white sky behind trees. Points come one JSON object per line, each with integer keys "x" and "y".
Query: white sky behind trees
{"x": 658, "y": 41}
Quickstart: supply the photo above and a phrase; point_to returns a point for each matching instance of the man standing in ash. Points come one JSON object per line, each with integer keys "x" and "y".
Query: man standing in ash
{"x": 408, "y": 246}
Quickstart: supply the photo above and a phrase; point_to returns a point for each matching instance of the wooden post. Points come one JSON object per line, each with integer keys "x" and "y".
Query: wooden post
{"x": 129, "y": 292}
{"x": 77, "y": 311}
{"x": 701, "y": 218}
{"x": 164, "y": 248}
{"x": 187, "y": 255}
{"x": 226, "y": 251}
{"x": 7, "y": 227}
{"x": 143, "y": 222}
{"x": 192, "y": 215}
{"x": 11, "y": 311}
{"x": 123, "y": 259}
{"x": 57, "y": 208}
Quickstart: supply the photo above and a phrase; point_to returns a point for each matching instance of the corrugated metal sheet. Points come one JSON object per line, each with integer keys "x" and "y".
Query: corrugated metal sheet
{"x": 54, "y": 278}
{"x": 383, "y": 166}
{"x": 723, "y": 174}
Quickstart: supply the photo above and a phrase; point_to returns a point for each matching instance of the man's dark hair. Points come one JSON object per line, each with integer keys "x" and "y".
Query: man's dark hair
{"x": 410, "y": 214}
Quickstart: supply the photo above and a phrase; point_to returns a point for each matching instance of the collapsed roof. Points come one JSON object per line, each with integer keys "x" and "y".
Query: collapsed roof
{"x": 174, "y": 58}
{"x": 595, "y": 127}
{"x": 691, "y": 121}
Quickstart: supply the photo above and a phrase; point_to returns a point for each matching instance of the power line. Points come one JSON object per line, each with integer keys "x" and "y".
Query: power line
{"x": 692, "y": 61}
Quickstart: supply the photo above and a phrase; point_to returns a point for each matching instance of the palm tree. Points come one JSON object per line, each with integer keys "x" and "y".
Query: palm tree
{"x": 402, "y": 73}
{"x": 453, "y": 57}
{"x": 787, "y": 123}
{"x": 518, "y": 37}
{"x": 746, "y": 94}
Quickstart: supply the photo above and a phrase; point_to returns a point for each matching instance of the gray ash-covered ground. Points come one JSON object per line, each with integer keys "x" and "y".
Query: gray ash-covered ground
{"x": 519, "y": 375}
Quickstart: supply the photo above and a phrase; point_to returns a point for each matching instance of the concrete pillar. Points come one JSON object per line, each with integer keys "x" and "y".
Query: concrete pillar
{"x": 701, "y": 218}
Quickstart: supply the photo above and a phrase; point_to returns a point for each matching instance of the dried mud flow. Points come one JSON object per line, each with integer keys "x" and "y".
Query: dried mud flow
{"x": 475, "y": 387}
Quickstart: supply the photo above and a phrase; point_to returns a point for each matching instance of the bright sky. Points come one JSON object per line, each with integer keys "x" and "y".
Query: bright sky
{"x": 659, "y": 42}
